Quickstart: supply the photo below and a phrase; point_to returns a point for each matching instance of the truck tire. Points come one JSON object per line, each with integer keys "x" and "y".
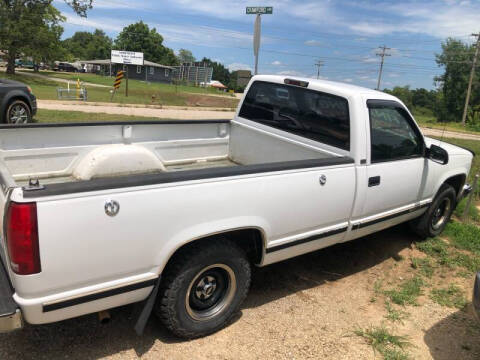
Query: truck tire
{"x": 18, "y": 112}
{"x": 203, "y": 288}
{"x": 434, "y": 220}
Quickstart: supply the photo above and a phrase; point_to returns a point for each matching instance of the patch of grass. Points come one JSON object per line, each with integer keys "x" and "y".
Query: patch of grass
{"x": 472, "y": 214}
{"x": 390, "y": 346}
{"x": 452, "y": 296}
{"x": 434, "y": 247}
{"x": 446, "y": 255}
{"x": 464, "y": 236}
{"x": 407, "y": 293}
{"x": 467, "y": 261}
{"x": 56, "y": 116}
{"x": 393, "y": 314}
{"x": 424, "y": 266}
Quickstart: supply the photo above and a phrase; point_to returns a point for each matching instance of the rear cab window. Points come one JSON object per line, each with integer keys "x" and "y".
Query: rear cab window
{"x": 311, "y": 114}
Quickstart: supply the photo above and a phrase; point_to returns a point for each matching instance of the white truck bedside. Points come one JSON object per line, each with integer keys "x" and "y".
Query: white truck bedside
{"x": 102, "y": 215}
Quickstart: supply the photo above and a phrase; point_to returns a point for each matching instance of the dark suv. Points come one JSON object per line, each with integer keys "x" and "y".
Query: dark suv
{"x": 17, "y": 103}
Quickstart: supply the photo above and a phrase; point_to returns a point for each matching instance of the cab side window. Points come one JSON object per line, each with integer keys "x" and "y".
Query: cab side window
{"x": 392, "y": 134}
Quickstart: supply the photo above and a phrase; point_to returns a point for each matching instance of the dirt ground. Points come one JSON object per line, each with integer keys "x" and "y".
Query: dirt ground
{"x": 307, "y": 307}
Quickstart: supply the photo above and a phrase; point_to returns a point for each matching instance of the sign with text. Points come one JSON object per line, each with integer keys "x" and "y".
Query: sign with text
{"x": 259, "y": 10}
{"x": 126, "y": 57}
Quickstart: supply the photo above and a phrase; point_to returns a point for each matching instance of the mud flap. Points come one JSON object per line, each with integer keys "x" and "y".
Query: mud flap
{"x": 147, "y": 309}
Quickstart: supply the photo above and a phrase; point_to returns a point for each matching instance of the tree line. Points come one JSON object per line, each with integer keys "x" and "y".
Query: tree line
{"x": 447, "y": 101}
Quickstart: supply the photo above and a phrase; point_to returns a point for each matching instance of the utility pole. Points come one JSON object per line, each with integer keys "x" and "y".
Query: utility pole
{"x": 382, "y": 55}
{"x": 318, "y": 64}
{"x": 472, "y": 73}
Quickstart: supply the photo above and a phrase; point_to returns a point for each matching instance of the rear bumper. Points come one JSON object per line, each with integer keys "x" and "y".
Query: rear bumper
{"x": 10, "y": 314}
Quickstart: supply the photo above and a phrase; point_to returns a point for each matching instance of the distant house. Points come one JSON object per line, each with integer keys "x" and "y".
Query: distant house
{"x": 149, "y": 71}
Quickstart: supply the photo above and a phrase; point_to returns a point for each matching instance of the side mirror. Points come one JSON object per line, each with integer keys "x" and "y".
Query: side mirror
{"x": 437, "y": 154}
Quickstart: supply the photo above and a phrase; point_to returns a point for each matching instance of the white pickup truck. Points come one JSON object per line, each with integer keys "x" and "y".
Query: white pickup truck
{"x": 175, "y": 213}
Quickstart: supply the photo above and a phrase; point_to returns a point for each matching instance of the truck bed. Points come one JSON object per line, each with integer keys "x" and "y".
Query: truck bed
{"x": 70, "y": 153}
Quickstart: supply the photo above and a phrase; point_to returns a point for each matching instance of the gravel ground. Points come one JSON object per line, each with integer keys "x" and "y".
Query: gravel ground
{"x": 303, "y": 308}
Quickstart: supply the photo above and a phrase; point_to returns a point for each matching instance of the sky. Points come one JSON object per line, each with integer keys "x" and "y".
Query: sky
{"x": 343, "y": 34}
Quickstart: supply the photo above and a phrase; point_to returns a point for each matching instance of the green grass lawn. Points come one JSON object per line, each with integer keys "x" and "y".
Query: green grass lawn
{"x": 139, "y": 92}
{"x": 56, "y": 116}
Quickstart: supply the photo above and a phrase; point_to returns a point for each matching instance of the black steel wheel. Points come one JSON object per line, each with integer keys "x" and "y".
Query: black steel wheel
{"x": 203, "y": 287}
{"x": 434, "y": 220}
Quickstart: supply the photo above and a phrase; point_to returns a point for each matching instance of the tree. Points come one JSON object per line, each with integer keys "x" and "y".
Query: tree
{"x": 89, "y": 46}
{"x": 403, "y": 93}
{"x": 45, "y": 44}
{"x": 185, "y": 56}
{"x": 139, "y": 37}
{"x": 22, "y": 20}
{"x": 456, "y": 59}
{"x": 220, "y": 72}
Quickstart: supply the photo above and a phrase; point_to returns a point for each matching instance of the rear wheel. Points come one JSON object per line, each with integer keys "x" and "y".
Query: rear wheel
{"x": 434, "y": 220}
{"x": 18, "y": 112}
{"x": 203, "y": 288}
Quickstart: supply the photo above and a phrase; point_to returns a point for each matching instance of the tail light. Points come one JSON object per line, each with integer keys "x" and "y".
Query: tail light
{"x": 22, "y": 238}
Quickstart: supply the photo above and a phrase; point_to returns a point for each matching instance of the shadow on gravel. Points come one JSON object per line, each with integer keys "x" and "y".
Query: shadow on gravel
{"x": 86, "y": 338}
{"x": 327, "y": 265}
{"x": 455, "y": 337}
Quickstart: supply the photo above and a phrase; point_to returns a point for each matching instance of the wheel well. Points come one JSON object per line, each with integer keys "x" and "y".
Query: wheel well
{"x": 456, "y": 182}
{"x": 250, "y": 240}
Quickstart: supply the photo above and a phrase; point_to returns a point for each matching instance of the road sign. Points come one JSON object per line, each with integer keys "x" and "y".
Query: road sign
{"x": 118, "y": 79}
{"x": 126, "y": 57}
{"x": 259, "y": 10}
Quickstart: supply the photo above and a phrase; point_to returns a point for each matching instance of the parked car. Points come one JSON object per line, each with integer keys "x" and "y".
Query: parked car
{"x": 64, "y": 66}
{"x": 176, "y": 213}
{"x": 17, "y": 103}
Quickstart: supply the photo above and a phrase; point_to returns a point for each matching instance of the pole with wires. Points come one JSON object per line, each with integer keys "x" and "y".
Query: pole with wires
{"x": 382, "y": 55}
{"x": 318, "y": 64}
{"x": 472, "y": 73}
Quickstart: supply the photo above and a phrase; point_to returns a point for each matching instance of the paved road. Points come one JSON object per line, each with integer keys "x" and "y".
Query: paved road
{"x": 176, "y": 112}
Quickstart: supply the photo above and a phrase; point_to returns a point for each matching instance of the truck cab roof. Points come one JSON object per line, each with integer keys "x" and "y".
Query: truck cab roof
{"x": 331, "y": 87}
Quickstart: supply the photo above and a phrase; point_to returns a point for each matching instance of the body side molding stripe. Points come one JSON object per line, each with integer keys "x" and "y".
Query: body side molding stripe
{"x": 98, "y": 295}
{"x": 388, "y": 217}
{"x": 305, "y": 240}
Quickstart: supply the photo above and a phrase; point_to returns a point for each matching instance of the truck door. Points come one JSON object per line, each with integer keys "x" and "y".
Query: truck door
{"x": 396, "y": 168}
